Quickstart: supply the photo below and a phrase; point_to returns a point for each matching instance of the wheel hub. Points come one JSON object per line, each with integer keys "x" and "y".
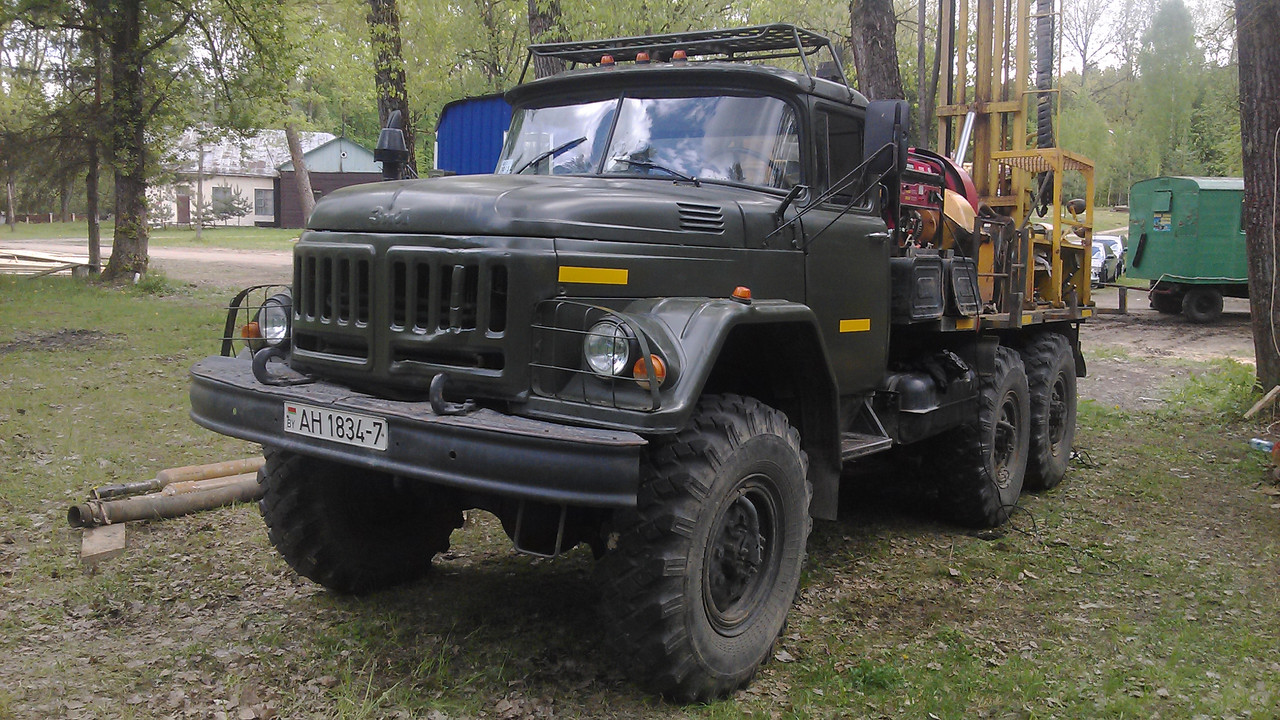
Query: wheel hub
{"x": 1006, "y": 436}
{"x": 1057, "y": 415}
{"x": 736, "y": 555}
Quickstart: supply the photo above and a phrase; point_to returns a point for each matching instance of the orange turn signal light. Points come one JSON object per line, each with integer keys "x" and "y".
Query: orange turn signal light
{"x": 251, "y": 331}
{"x": 641, "y": 373}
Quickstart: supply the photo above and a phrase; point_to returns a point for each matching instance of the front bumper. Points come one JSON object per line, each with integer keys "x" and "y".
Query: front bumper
{"x": 484, "y": 451}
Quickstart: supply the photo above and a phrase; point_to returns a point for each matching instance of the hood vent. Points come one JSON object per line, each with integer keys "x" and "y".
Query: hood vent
{"x": 701, "y": 218}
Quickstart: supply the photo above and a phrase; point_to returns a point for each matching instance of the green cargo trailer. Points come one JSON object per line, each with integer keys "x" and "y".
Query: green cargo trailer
{"x": 1186, "y": 237}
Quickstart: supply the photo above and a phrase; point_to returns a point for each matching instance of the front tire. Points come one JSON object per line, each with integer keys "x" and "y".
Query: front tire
{"x": 698, "y": 579}
{"x": 987, "y": 459}
{"x": 1051, "y": 380}
{"x": 349, "y": 529}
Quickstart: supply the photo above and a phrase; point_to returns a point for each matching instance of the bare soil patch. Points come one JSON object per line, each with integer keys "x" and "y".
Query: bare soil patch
{"x": 1131, "y": 357}
{"x": 219, "y": 267}
{"x": 59, "y": 340}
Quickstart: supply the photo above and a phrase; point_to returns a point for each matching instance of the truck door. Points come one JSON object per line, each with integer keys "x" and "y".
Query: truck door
{"x": 847, "y": 259}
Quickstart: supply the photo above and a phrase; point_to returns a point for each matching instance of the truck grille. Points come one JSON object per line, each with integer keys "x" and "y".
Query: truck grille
{"x": 331, "y": 306}
{"x": 433, "y": 294}
{"x": 410, "y": 313}
{"x": 332, "y": 289}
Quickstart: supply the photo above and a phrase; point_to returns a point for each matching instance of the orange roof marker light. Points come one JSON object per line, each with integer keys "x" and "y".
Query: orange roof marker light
{"x": 606, "y": 60}
{"x": 742, "y": 294}
{"x": 642, "y": 58}
{"x": 679, "y": 56}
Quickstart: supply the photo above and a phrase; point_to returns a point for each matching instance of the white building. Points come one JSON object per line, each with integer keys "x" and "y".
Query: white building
{"x": 226, "y": 167}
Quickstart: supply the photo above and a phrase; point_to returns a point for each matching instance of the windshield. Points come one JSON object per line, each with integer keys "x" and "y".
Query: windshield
{"x": 748, "y": 140}
{"x": 563, "y": 140}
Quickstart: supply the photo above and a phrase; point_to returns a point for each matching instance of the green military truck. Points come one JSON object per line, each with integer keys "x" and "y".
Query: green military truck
{"x": 696, "y": 288}
{"x": 1187, "y": 239}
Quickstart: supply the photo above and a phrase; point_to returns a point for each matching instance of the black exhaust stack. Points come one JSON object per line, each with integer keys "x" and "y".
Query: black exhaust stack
{"x": 391, "y": 150}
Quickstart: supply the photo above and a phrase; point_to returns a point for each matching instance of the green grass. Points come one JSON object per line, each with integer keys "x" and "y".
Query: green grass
{"x": 232, "y": 237}
{"x": 236, "y": 238}
{"x": 1107, "y": 219}
{"x": 54, "y": 231}
{"x": 1145, "y": 585}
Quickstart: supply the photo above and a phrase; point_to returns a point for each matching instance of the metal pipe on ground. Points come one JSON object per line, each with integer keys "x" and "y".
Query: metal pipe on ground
{"x": 187, "y": 473}
{"x": 193, "y": 497}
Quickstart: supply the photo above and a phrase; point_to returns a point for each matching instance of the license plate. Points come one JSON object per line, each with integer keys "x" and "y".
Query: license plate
{"x": 344, "y": 427}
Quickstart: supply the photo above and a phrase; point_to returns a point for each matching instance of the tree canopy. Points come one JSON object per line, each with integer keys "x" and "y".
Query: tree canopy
{"x": 1150, "y": 85}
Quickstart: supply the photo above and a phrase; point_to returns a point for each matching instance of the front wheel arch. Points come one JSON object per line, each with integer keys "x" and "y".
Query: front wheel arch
{"x": 793, "y": 377}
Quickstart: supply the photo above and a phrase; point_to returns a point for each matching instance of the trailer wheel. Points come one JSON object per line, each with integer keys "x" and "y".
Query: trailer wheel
{"x": 986, "y": 460}
{"x": 351, "y": 530}
{"x": 1202, "y": 304}
{"x": 1051, "y": 381}
{"x": 699, "y": 577}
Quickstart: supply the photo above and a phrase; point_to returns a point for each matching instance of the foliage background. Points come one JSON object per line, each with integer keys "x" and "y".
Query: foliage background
{"x": 1150, "y": 86}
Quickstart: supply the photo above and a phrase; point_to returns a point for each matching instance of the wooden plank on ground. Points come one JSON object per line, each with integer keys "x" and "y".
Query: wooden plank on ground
{"x": 101, "y": 543}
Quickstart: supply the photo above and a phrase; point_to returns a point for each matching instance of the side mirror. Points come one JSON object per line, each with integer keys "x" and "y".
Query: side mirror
{"x": 887, "y": 124}
{"x": 391, "y": 150}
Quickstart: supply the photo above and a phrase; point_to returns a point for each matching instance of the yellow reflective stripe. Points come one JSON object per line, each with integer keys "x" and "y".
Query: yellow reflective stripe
{"x": 966, "y": 323}
{"x": 855, "y": 325}
{"x": 593, "y": 276}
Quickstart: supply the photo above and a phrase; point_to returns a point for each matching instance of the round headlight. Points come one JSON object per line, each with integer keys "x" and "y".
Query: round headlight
{"x": 274, "y": 319}
{"x": 607, "y": 348}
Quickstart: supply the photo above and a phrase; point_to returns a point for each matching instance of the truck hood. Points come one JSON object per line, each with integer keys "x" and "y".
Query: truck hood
{"x": 588, "y": 208}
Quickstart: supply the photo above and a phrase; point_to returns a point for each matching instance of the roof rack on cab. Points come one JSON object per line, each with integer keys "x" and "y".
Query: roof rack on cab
{"x": 744, "y": 44}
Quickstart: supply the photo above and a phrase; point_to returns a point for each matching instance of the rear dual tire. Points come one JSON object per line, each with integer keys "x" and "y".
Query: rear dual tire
{"x": 1051, "y": 382}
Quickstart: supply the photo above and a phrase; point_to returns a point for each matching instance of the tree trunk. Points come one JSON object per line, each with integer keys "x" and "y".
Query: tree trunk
{"x": 11, "y": 213}
{"x": 64, "y": 200}
{"x": 928, "y": 81}
{"x": 875, "y": 49}
{"x": 1256, "y": 21}
{"x": 91, "y": 207}
{"x": 300, "y": 174}
{"x": 544, "y": 26}
{"x": 929, "y": 105}
{"x": 388, "y": 70}
{"x": 200, "y": 206}
{"x": 922, "y": 79}
{"x": 91, "y": 177}
{"x": 128, "y": 141}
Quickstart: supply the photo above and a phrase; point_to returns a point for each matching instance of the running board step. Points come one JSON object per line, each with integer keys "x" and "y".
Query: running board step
{"x": 856, "y": 445}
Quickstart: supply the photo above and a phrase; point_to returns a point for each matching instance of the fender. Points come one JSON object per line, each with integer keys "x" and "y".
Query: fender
{"x": 769, "y": 349}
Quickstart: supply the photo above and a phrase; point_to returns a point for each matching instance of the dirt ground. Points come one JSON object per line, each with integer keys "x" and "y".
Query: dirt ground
{"x": 212, "y": 267}
{"x": 1125, "y": 351}
{"x": 194, "y": 635}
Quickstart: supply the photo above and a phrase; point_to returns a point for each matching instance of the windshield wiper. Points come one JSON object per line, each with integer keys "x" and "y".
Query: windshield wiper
{"x": 552, "y": 153}
{"x": 649, "y": 165}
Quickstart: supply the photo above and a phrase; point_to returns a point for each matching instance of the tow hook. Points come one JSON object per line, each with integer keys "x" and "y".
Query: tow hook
{"x": 443, "y": 407}
{"x": 285, "y": 378}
